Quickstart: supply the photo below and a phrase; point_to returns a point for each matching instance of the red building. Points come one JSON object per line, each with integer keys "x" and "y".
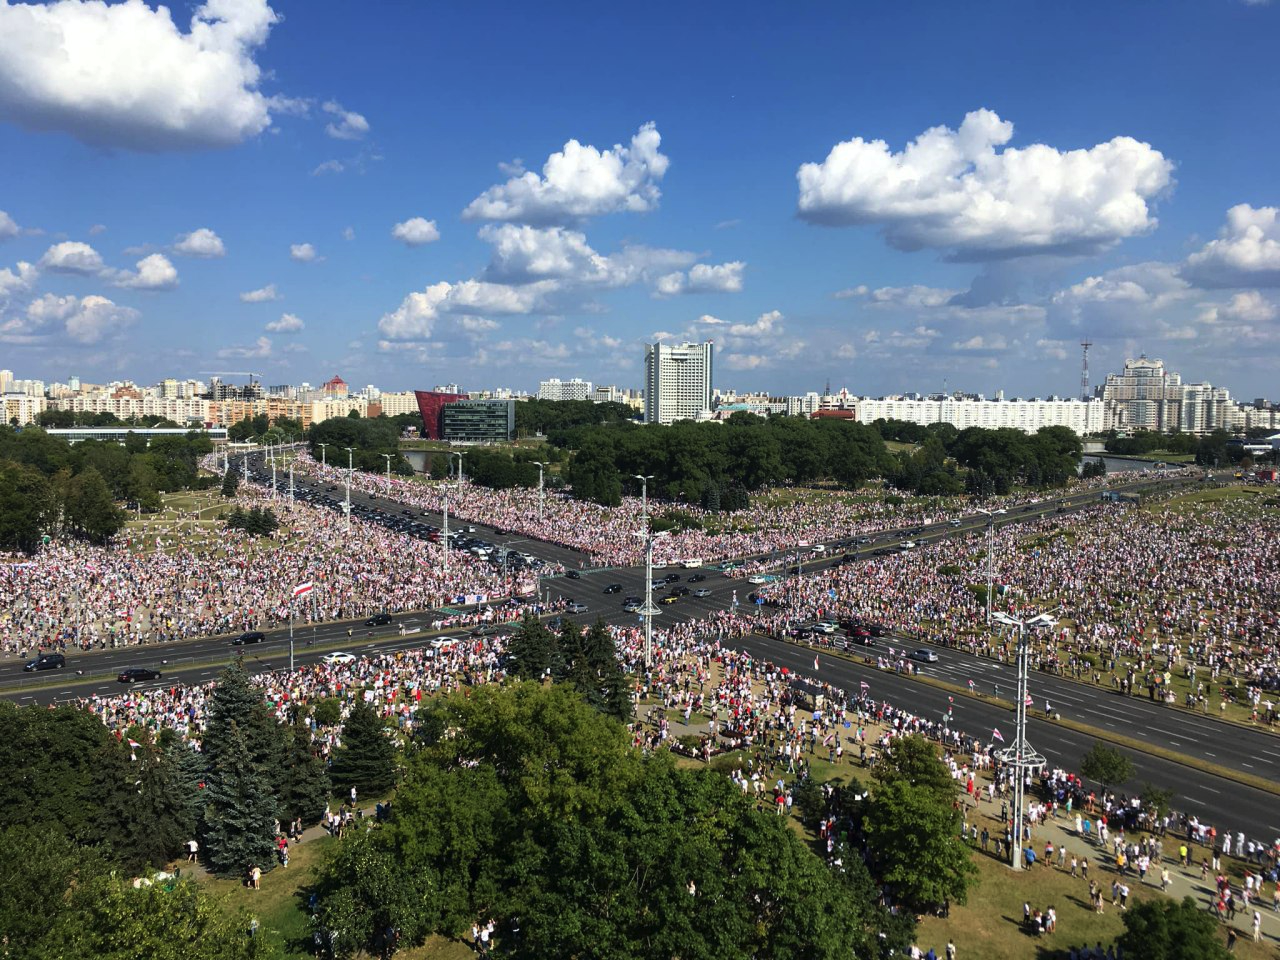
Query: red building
{"x": 337, "y": 387}
{"x": 430, "y": 405}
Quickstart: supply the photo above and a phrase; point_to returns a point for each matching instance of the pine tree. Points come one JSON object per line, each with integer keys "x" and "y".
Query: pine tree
{"x": 532, "y": 649}
{"x": 240, "y": 810}
{"x": 236, "y": 701}
{"x": 230, "y": 483}
{"x": 306, "y": 787}
{"x": 366, "y": 759}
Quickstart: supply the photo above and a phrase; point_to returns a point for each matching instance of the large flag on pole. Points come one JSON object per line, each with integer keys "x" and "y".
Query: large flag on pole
{"x": 302, "y": 589}
{"x": 995, "y": 734}
{"x": 815, "y": 663}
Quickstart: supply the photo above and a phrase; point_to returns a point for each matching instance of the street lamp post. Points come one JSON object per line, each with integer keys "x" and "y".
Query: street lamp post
{"x": 323, "y": 461}
{"x": 644, "y": 496}
{"x": 542, "y": 496}
{"x": 444, "y": 537}
{"x": 350, "y": 469}
{"x": 648, "y": 610}
{"x": 459, "y": 456}
{"x": 291, "y": 481}
{"x": 991, "y": 554}
{"x": 387, "y": 457}
{"x": 1021, "y": 757}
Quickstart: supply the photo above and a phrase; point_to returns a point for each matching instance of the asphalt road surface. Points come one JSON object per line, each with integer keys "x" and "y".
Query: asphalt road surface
{"x": 1224, "y": 802}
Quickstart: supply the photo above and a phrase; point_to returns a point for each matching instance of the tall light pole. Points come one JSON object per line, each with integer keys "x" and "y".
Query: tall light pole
{"x": 273, "y": 479}
{"x": 1021, "y": 757}
{"x": 648, "y": 610}
{"x": 991, "y": 557}
{"x": 459, "y": 456}
{"x": 323, "y": 461}
{"x": 291, "y": 481}
{"x": 444, "y": 537}
{"x": 644, "y": 496}
{"x": 387, "y": 457}
{"x": 350, "y": 469}
{"x": 542, "y": 495}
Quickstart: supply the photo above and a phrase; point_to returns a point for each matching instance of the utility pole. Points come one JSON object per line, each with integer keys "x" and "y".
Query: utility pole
{"x": 648, "y": 610}
{"x": 542, "y": 496}
{"x": 387, "y": 457}
{"x": 273, "y": 479}
{"x": 350, "y": 469}
{"x": 245, "y": 463}
{"x": 1021, "y": 758}
{"x": 459, "y": 456}
{"x": 291, "y": 481}
{"x": 323, "y": 461}
{"x": 444, "y": 538}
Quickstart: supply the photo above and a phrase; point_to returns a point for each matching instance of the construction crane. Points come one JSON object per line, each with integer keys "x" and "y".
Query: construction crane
{"x": 231, "y": 373}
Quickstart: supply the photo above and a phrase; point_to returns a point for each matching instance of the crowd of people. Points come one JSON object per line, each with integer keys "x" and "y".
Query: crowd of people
{"x": 1142, "y": 597}
{"x": 607, "y": 535}
{"x": 75, "y": 596}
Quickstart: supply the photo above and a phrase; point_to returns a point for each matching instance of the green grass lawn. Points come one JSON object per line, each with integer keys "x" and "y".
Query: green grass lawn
{"x": 989, "y": 926}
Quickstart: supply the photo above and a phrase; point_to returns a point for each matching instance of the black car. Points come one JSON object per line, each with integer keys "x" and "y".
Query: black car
{"x": 138, "y": 674}
{"x": 249, "y": 636}
{"x": 378, "y": 620}
{"x": 613, "y": 588}
{"x": 672, "y": 578}
{"x": 697, "y": 578}
{"x": 680, "y": 592}
{"x": 573, "y": 575}
{"x": 46, "y": 661}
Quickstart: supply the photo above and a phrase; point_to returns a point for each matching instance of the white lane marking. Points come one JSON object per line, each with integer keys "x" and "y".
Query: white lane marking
{"x": 1210, "y": 789}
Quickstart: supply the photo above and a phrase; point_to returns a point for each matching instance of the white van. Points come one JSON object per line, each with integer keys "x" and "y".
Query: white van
{"x": 692, "y": 563}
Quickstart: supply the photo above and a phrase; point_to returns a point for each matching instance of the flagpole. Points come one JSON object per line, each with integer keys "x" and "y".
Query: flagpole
{"x": 291, "y": 635}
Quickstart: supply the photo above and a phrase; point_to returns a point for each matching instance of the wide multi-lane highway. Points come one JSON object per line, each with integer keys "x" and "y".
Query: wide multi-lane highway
{"x": 1204, "y": 738}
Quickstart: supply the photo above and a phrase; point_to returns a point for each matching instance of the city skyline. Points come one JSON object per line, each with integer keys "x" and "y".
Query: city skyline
{"x": 798, "y": 191}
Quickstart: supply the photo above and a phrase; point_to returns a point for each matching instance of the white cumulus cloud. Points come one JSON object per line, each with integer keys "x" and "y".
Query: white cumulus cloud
{"x": 261, "y": 295}
{"x": 1246, "y": 253}
{"x": 19, "y": 279}
{"x": 260, "y": 349}
{"x": 85, "y": 319}
{"x": 125, "y": 75}
{"x": 346, "y": 124}
{"x": 72, "y": 256}
{"x": 288, "y": 323}
{"x": 954, "y": 190}
{"x": 416, "y": 316}
{"x": 416, "y": 231}
{"x": 154, "y": 272}
{"x": 703, "y": 278}
{"x": 8, "y": 229}
{"x": 302, "y": 252}
{"x": 200, "y": 243}
{"x": 580, "y": 181}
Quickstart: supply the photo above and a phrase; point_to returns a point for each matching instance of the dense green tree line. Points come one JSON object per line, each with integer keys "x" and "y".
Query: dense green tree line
{"x": 70, "y": 418}
{"x": 51, "y": 487}
{"x": 686, "y": 458}
{"x": 708, "y": 463}
{"x": 526, "y": 806}
{"x": 370, "y": 439}
{"x": 542, "y": 416}
{"x": 256, "y": 521}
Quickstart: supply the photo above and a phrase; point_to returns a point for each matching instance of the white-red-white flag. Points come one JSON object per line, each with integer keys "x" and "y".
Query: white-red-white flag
{"x": 995, "y": 734}
{"x": 815, "y": 663}
{"x": 302, "y": 589}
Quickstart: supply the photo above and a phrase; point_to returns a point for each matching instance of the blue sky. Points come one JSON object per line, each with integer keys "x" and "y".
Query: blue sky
{"x": 888, "y": 196}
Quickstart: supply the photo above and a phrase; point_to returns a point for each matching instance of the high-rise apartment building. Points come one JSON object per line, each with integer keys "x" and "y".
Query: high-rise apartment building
{"x": 677, "y": 381}
{"x": 1145, "y": 396}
